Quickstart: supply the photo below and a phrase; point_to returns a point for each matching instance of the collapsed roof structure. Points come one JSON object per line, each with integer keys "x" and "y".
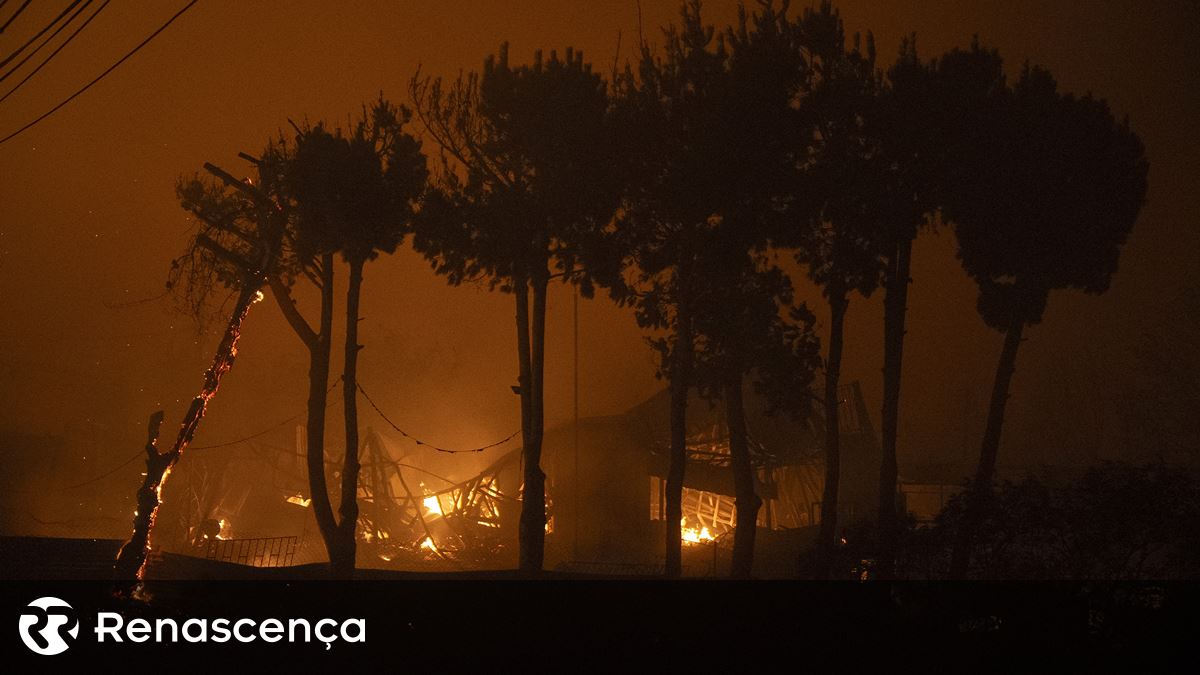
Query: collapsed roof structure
{"x": 605, "y": 491}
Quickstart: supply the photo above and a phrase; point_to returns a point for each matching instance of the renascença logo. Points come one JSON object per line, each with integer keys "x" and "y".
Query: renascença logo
{"x": 49, "y": 626}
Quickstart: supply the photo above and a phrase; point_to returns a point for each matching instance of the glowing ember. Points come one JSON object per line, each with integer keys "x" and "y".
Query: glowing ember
{"x": 691, "y": 535}
{"x": 427, "y": 544}
{"x": 299, "y": 500}
{"x": 433, "y": 507}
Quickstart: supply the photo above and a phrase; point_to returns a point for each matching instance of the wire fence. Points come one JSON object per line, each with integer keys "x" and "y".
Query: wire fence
{"x": 261, "y": 552}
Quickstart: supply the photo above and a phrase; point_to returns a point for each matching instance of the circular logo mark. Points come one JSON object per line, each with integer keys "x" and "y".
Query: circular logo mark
{"x": 48, "y": 626}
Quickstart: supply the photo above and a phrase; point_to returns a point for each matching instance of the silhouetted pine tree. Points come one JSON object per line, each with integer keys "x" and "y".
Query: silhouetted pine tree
{"x": 837, "y": 234}
{"x": 359, "y": 190}
{"x": 527, "y": 192}
{"x": 1044, "y": 201}
{"x": 706, "y": 126}
{"x": 907, "y": 142}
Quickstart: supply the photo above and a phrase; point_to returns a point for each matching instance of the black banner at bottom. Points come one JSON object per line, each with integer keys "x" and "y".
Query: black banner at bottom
{"x": 622, "y": 626}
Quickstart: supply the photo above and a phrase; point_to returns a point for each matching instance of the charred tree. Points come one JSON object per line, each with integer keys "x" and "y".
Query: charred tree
{"x": 238, "y": 246}
{"x": 130, "y": 565}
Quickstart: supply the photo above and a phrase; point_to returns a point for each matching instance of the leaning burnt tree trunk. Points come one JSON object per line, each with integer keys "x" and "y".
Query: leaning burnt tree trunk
{"x": 829, "y": 497}
{"x": 130, "y": 566}
{"x": 319, "y": 344}
{"x": 895, "y": 305}
{"x": 342, "y": 556}
{"x": 681, "y": 373}
{"x": 746, "y": 501}
{"x": 981, "y": 487}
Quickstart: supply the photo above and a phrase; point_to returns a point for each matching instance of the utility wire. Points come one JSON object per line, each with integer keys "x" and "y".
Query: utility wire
{"x": 15, "y": 15}
{"x": 31, "y": 40}
{"x": 45, "y": 42}
{"x": 430, "y": 445}
{"x": 101, "y": 75}
{"x": 264, "y": 431}
{"x": 122, "y": 465}
{"x": 54, "y": 53}
{"x": 134, "y": 303}
{"x": 142, "y": 453}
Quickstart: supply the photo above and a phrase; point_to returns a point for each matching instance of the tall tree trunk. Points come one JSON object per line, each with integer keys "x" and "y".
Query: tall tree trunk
{"x": 895, "y": 305}
{"x": 318, "y": 395}
{"x": 130, "y": 565}
{"x": 681, "y": 373}
{"x": 319, "y": 344}
{"x": 343, "y": 565}
{"x": 747, "y": 502}
{"x": 531, "y": 530}
{"x": 981, "y": 487}
{"x": 533, "y": 509}
{"x": 829, "y": 497}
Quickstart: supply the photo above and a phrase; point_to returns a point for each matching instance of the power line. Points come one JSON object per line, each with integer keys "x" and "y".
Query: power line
{"x": 267, "y": 430}
{"x": 142, "y": 453}
{"x": 134, "y": 303}
{"x": 45, "y": 42}
{"x": 15, "y": 15}
{"x": 48, "y": 59}
{"x": 48, "y": 26}
{"x": 418, "y": 441}
{"x": 101, "y": 75}
{"x": 122, "y": 465}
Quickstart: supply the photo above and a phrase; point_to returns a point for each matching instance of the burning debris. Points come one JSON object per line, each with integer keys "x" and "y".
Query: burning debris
{"x": 460, "y": 522}
{"x": 692, "y": 535}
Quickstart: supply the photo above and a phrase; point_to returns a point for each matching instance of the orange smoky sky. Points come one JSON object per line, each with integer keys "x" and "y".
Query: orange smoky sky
{"x": 89, "y": 222}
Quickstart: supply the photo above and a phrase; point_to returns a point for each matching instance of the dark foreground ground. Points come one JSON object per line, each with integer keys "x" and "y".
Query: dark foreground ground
{"x": 501, "y": 622}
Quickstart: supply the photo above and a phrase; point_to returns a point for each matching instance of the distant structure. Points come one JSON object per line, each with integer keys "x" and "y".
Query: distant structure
{"x": 605, "y": 493}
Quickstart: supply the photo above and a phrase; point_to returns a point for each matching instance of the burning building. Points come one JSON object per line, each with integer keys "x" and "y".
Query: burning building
{"x": 609, "y": 485}
{"x": 605, "y": 495}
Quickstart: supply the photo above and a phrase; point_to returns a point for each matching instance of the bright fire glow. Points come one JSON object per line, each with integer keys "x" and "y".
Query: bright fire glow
{"x": 433, "y": 507}
{"x": 298, "y": 500}
{"x": 427, "y": 544}
{"x": 691, "y": 535}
